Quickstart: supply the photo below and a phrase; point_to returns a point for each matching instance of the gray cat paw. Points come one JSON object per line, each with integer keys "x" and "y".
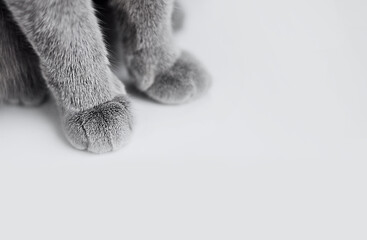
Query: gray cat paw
{"x": 184, "y": 81}
{"x": 29, "y": 99}
{"x": 104, "y": 128}
{"x": 148, "y": 62}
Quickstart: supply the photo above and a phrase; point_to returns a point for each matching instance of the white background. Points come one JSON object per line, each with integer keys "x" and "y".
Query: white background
{"x": 276, "y": 150}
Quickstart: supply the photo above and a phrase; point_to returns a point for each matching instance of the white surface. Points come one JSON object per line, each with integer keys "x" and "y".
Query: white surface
{"x": 276, "y": 150}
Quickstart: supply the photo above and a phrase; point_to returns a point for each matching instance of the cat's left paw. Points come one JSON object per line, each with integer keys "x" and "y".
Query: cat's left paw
{"x": 184, "y": 81}
{"x": 104, "y": 128}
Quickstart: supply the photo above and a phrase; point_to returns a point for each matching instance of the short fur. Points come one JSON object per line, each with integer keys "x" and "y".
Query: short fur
{"x": 61, "y": 47}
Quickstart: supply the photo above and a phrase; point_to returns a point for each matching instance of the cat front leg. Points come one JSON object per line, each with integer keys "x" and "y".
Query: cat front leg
{"x": 157, "y": 65}
{"x": 145, "y": 28}
{"x": 66, "y": 36}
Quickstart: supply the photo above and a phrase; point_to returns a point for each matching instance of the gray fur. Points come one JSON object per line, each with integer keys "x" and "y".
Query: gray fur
{"x": 104, "y": 128}
{"x": 65, "y": 35}
{"x": 151, "y": 53}
{"x": 59, "y": 44}
{"x": 184, "y": 81}
{"x": 178, "y": 17}
{"x": 21, "y": 80}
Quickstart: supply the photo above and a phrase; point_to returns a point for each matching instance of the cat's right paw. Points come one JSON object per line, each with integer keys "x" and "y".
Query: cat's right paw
{"x": 103, "y": 128}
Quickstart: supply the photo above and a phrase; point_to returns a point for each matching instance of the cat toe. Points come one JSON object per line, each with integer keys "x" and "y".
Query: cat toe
{"x": 103, "y": 128}
{"x": 186, "y": 80}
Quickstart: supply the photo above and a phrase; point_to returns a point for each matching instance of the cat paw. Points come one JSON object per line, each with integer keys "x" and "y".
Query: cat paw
{"x": 146, "y": 63}
{"x": 184, "y": 81}
{"x": 101, "y": 129}
{"x": 29, "y": 99}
